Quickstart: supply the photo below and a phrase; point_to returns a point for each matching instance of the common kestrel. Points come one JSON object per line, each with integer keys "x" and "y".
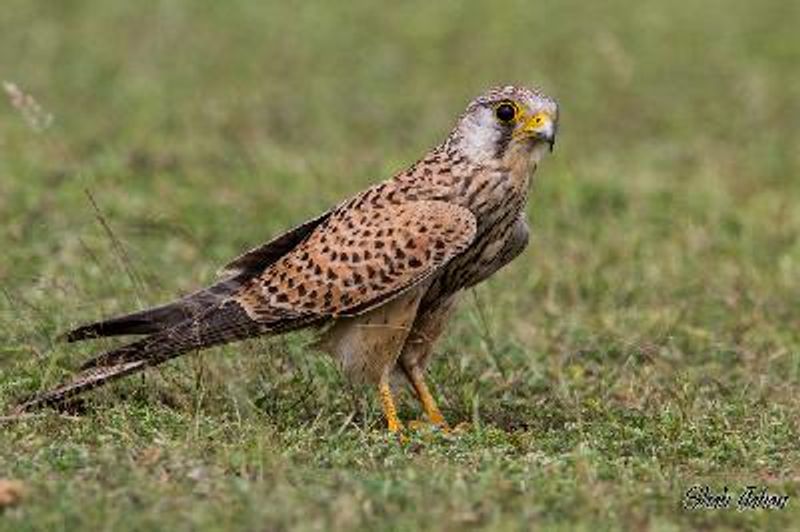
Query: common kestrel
{"x": 377, "y": 276}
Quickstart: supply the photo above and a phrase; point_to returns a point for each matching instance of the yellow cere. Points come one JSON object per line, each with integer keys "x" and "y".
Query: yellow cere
{"x": 535, "y": 122}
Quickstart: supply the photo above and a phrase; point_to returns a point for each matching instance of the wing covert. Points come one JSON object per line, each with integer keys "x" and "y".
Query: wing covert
{"x": 360, "y": 258}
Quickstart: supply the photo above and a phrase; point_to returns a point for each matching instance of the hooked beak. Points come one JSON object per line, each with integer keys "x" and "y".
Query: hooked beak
{"x": 541, "y": 126}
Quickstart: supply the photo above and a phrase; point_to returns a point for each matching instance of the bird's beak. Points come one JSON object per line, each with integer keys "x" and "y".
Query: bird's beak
{"x": 541, "y": 126}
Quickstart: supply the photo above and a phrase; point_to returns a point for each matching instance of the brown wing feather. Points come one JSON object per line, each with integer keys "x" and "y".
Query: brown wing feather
{"x": 360, "y": 258}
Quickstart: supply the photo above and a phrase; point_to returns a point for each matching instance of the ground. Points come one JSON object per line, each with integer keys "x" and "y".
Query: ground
{"x": 647, "y": 342}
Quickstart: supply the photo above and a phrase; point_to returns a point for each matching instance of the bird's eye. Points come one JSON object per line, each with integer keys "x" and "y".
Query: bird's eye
{"x": 506, "y": 112}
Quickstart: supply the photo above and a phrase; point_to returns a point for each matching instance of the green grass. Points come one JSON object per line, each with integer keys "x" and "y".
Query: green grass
{"x": 648, "y": 341}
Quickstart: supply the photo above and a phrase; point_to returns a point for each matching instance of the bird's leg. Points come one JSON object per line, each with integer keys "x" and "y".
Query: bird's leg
{"x": 368, "y": 345}
{"x": 429, "y": 405}
{"x": 387, "y": 402}
{"x": 418, "y": 350}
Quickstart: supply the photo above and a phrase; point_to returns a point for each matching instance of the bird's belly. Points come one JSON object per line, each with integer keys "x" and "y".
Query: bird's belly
{"x": 367, "y": 344}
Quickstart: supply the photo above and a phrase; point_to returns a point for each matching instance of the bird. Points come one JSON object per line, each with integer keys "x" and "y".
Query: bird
{"x": 377, "y": 276}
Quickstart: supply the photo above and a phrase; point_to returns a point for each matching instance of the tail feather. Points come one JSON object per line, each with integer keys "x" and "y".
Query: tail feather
{"x": 82, "y": 382}
{"x": 224, "y": 324}
{"x": 157, "y": 319}
{"x": 124, "y": 325}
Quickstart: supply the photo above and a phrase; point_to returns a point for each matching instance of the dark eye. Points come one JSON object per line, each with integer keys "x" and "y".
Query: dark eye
{"x": 505, "y": 112}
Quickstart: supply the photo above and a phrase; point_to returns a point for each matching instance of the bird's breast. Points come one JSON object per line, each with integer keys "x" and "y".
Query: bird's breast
{"x": 495, "y": 194}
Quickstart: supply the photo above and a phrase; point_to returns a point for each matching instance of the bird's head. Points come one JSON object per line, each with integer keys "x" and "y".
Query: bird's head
{"x": 508, "y": 124}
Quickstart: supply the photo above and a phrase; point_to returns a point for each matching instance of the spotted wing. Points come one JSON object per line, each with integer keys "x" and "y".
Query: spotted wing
{"x": 236, "y": 274}
{"x": 360, "y": 258}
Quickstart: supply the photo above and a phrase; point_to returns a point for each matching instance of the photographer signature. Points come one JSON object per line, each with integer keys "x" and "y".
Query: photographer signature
{"x": 700, "y": 497}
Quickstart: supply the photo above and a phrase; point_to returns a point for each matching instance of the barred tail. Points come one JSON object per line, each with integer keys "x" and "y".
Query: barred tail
{"x": 83, "y": 381}
{"x": 227, "y": 323}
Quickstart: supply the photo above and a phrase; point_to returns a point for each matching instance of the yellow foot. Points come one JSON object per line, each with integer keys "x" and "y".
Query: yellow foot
{"x": 394, "y": 425}
{"x": 435, "y": 416}
{"x": 393, "y": 422}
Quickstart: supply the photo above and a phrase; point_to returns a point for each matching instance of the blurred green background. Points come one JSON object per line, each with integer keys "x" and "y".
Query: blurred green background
{"x": 648, "y": 339}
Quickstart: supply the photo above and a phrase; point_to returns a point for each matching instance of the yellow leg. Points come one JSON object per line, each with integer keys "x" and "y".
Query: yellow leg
{"x": 426, "y": 398}
{"x": 387, "y": 402}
